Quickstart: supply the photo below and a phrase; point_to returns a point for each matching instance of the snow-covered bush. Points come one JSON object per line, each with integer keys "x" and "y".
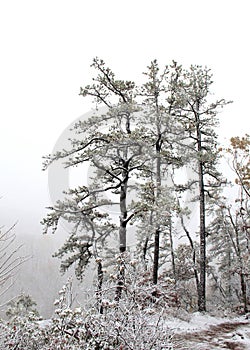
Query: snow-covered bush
{"x": 23, "y": 332}
{"x": 135, "y": 321}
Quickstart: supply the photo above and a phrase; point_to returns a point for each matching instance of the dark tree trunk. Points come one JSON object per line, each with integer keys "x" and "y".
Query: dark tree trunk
{"x": 123, "y": 217}
{"x": 202, "y": 284}
{"x": 243, "y": 291}
{"x": 202, "y": 288}
{"x": 99, "y": 286}
{"x": 145, "y": 248}
{"x": 158, "y": 191}
{"x": 156, "y": 256}
{"x": 120, "y": 281}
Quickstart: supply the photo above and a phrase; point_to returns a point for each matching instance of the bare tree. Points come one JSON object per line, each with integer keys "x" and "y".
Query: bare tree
{"x": 10, "y": 259}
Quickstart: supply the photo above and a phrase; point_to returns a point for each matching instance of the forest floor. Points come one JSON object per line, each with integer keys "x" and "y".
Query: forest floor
{"x": 203, "y": 332}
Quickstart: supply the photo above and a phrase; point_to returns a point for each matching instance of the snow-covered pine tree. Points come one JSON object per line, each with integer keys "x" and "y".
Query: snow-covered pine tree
{"x": 198, "y": 116}
{"x": 113, "y": 143}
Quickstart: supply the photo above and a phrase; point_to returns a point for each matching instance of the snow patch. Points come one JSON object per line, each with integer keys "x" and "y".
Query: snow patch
{"x": 197, "y": 322}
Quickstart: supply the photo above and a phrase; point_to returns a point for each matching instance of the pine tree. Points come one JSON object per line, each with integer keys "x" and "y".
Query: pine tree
{"x": 199, "y": 119}
{"x": 158, "y": 102}
{"x": 114, "y": 145}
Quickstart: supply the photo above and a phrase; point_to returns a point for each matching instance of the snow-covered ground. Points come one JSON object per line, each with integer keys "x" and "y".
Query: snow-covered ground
{"x": 204, "y": 332}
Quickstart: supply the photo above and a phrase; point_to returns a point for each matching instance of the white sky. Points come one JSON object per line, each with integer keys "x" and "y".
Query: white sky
{"x": 47, "y": 47}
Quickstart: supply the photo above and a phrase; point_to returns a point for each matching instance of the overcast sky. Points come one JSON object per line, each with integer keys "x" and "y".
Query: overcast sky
{"x": 46, "y": 50}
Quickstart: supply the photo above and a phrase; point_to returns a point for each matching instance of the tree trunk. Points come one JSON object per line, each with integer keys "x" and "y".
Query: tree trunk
{"x": 202, "y": 288}
{"x": 144, "y": 250}
{"x": 122, "y": 231}
{"x": 158, "y": 191}
{"x": 123, "y": 217}
{"x": 156, "y": 256}
{"x": 99, "y": 286}
{"x": 229, "y": 285}
{"x": 196, "y": 275}
{"x": 243, "y": 291}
